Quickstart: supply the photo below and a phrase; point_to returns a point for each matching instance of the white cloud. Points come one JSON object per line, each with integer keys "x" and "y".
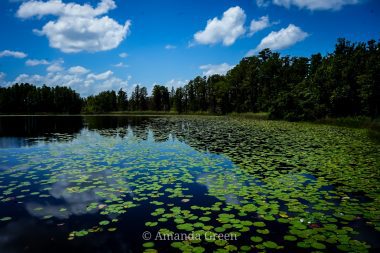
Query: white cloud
{"x": 55, "y": 67}
{"x": 123, "y": 55}
{"x": 120, "y": 65}
{"x": 35, "y": 62}
{"x": 72, "y": 35}
{"x": 168, "y": 47}
{"x": 25, "y": 78}
{"x": 15, "y": 54}
{"x": 78, "y": 27}
{"x": 101, "y": 76}
{"x": 84, "y": 84}
{"x": 78, "y": 70}
{"x": 58, "y": 8}
{"x": 221, "y": 69}
{"x": 282, "y": 39}
{"x": 225, "y": 30}
{"x": 310, "y": 4}
{"x": 258, "y": 25}
{"x": 262, "y": 3}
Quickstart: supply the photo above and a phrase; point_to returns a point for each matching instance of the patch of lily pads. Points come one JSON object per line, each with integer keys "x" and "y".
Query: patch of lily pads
{"x": 315, "y": 182}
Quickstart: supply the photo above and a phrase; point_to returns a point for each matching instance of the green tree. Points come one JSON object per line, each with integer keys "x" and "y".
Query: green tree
{"x": 122, "y": 100}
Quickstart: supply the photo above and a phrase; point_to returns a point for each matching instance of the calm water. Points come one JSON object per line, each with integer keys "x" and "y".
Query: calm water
{"x": 97, "y": 183}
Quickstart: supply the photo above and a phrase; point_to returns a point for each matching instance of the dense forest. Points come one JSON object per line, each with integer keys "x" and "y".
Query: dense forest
{"x": 343, "y": 83}
{"x": 27, "y": 98}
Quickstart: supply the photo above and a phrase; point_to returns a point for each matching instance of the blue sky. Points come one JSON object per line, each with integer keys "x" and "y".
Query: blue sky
{"x": 95, "y": 45}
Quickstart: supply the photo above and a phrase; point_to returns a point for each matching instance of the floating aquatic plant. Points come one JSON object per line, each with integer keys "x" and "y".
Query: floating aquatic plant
{"x": 243, "y": 178}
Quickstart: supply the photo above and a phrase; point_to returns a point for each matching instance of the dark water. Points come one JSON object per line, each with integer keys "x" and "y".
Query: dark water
{"x": 96, "y": 183}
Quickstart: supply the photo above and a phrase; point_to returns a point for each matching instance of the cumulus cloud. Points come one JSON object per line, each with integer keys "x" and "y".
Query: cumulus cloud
{"x": 15, "y": 54}
{"x": 258, "y": 25}
{"x": 25, "y": 78}
{"x": 77, "y": 27}
{"x": 78, "y": 70}
{"x": 57, "y": 8}
{"x": 101, "y": 76}
{"x": 55, "y": 66}
{"x": 310, "y": 4}
{"x": 84, "y": 84}
{"x": 123, "y": 55}
{"x": 225, "y": 30}
{"x": 282, "y": 39}
{"x": 35, "y": 62}
{"x": 210, "y": 69}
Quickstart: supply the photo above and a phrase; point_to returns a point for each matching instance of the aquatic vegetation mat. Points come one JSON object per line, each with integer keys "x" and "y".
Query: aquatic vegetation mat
{"x": 195, "y": 185}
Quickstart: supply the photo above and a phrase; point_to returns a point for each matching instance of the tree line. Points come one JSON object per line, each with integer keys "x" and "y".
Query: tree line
{"x": 107, "y": 101}
{"x": 345, "y": 82}
{"x": 27, "y": 98}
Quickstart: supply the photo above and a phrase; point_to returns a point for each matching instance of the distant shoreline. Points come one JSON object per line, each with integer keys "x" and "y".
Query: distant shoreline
{"x": 352, "y": 122}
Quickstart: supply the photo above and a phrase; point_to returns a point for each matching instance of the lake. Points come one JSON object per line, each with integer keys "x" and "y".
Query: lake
{"x": 186, "y": 184}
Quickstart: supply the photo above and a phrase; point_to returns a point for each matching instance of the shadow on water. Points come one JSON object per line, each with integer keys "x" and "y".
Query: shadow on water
{"x": 38, "y": 126}
{"x": 18, "y": 131}
{"x": 111, "y": 122}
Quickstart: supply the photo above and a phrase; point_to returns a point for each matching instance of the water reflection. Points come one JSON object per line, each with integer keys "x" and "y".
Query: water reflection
{"x": 8, "y": 142}
{"x": 112, "y": 122}
{"x": 19, "y": 131}
{"x": 129, "y": 171}
{"x": 74, "y": 202}
{"x": 38, "y": 126}
{"x": 100, "y": 174}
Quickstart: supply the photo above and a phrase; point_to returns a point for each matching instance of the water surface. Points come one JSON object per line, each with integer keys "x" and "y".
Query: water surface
{"x": 96, "y": 183}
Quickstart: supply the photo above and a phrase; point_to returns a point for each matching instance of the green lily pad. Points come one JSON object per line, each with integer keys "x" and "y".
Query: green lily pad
{"x": 256, "y": 239}
{"x": 259, "y": 224}
{"x": 290, "y": 238}
{"x": 148, "y": 245}
{"x": 270, "y": 245}
{"x": 104, "y": 223}
{"x": 318, "y": 245}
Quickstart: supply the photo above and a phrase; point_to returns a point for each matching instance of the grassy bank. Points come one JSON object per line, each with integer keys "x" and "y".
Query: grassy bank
{"x": 353, "y": 122}
{"x": 157, "y": 113}
{"x": 250, "y": 115}
{"x": 372, "y": 125}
